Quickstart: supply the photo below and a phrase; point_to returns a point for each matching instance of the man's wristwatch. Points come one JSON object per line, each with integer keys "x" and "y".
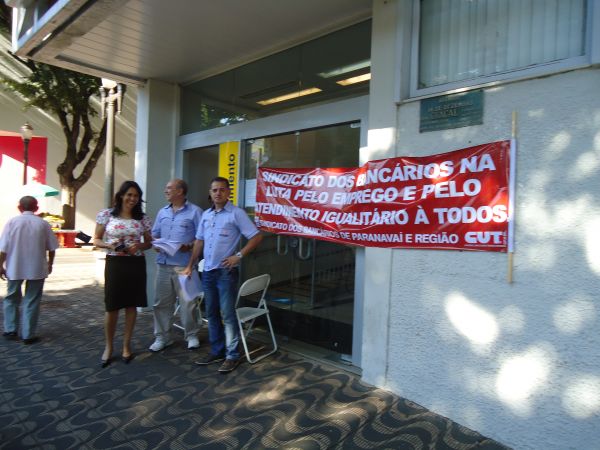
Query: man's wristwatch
{"x": 239, "y": 255}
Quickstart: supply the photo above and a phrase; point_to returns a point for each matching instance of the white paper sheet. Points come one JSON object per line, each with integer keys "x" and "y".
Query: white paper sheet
{"x": 191, "y": 287}
{"x": 169, "y": 247}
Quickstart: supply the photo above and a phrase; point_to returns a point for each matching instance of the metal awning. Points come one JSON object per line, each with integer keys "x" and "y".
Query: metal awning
{"x": 174, "y": 41}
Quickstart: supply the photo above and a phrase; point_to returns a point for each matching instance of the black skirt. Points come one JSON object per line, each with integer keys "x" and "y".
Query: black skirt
{"x": 124, "y": 282}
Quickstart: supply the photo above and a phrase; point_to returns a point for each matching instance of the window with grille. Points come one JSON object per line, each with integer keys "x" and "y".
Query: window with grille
{"x": 467, "y": 42}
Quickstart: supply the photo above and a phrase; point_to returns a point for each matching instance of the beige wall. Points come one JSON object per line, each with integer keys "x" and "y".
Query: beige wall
{"x": 90, "y": 198}
{"x": 518, "y": 362}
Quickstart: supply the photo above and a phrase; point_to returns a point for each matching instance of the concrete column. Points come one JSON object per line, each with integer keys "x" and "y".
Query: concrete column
{"x": 389, "y": 48}
{"x": 156, "y": 134}
{"x": 595, "y": 32}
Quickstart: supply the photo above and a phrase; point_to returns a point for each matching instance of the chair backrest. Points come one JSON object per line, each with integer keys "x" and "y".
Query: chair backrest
{"x": 253, "y": 285}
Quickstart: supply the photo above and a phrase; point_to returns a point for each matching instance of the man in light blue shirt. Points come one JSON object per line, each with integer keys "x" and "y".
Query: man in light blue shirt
{"x": 219, "y": 235}
{"x": 176, "y": 224}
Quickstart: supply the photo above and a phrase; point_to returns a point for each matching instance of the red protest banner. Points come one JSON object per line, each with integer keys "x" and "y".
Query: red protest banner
{"x": 456, "y": 200}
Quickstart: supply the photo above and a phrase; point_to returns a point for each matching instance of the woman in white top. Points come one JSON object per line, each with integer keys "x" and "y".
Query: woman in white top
{"x": 125, "y": 231}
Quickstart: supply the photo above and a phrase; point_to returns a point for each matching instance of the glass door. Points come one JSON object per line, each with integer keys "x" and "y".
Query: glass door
{"x": 311, "y": 296}
{"x": 200, "y": 165}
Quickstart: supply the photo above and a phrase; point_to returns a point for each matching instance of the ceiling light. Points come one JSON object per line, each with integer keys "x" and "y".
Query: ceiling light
{"x": 345, "y": 69}
{"x": 353, "y": 80}
{"x": 292, "y": 95}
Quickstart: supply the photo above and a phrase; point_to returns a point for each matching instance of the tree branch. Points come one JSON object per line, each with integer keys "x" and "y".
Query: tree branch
{"x": 91, "y": 163}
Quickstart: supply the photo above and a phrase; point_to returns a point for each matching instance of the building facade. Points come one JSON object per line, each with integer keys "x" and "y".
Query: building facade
{"x": 90, "y": 198}
{"x": 516, "y": 359}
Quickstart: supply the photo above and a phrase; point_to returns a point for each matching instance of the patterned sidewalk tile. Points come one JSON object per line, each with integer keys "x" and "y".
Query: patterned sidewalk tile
{"x": 54, "y": 395}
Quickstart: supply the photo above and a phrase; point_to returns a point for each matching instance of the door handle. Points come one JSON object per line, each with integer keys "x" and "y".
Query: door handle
{"x": 280, "y": 251}
{"x": 301, "y": 254}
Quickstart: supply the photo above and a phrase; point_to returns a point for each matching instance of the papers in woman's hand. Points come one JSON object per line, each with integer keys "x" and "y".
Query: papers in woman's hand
{"x": 191, "y": 287}
{"x": 169, "y": 247}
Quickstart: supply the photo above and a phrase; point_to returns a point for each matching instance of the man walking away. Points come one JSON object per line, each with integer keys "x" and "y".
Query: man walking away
{"x": 23, "y": 246}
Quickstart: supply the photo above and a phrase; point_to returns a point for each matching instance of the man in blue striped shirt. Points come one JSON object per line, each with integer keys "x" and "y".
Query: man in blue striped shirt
{"x": 176, "y": 223}
{"x": 219, "y": 235}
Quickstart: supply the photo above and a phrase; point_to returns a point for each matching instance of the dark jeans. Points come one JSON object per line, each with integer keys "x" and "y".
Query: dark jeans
{"x": 220, "y": 292}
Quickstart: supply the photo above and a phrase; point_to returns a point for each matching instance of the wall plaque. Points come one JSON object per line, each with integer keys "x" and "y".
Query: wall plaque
{"x": 451, "y": 111}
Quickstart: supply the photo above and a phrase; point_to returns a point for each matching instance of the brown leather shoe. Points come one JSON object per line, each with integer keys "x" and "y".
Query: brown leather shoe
{"x": 209, "y": 359}
{"x": 229, "y": 365}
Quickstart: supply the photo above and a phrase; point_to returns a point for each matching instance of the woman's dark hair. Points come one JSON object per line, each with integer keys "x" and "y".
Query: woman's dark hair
{"x": 137, "y": 212}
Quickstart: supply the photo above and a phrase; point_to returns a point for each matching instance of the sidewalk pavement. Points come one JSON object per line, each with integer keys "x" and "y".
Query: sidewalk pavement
{"x": 54, "y": 395}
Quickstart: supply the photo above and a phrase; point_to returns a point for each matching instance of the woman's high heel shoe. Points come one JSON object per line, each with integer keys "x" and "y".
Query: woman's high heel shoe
{"x": 105, "y": 362}
{"x": 127, "y": 359}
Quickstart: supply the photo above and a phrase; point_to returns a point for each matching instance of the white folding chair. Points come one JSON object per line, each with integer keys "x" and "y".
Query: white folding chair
{"x": 198, "y": 301}
{"x": 247, "y": 315}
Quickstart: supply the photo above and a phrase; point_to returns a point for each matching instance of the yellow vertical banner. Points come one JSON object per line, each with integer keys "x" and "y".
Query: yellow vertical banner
{"x": 229, "y": 167}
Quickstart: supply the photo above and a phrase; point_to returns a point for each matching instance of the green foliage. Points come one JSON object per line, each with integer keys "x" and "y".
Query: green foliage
{"x": 58, "y": 90}
{"x": 66, "y": 95}
{"x": 5, "y": 14}
{"x": 213, "y": 117}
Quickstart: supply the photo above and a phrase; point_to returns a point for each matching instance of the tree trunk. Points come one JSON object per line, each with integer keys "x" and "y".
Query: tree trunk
{"x": 69, "y": 206}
